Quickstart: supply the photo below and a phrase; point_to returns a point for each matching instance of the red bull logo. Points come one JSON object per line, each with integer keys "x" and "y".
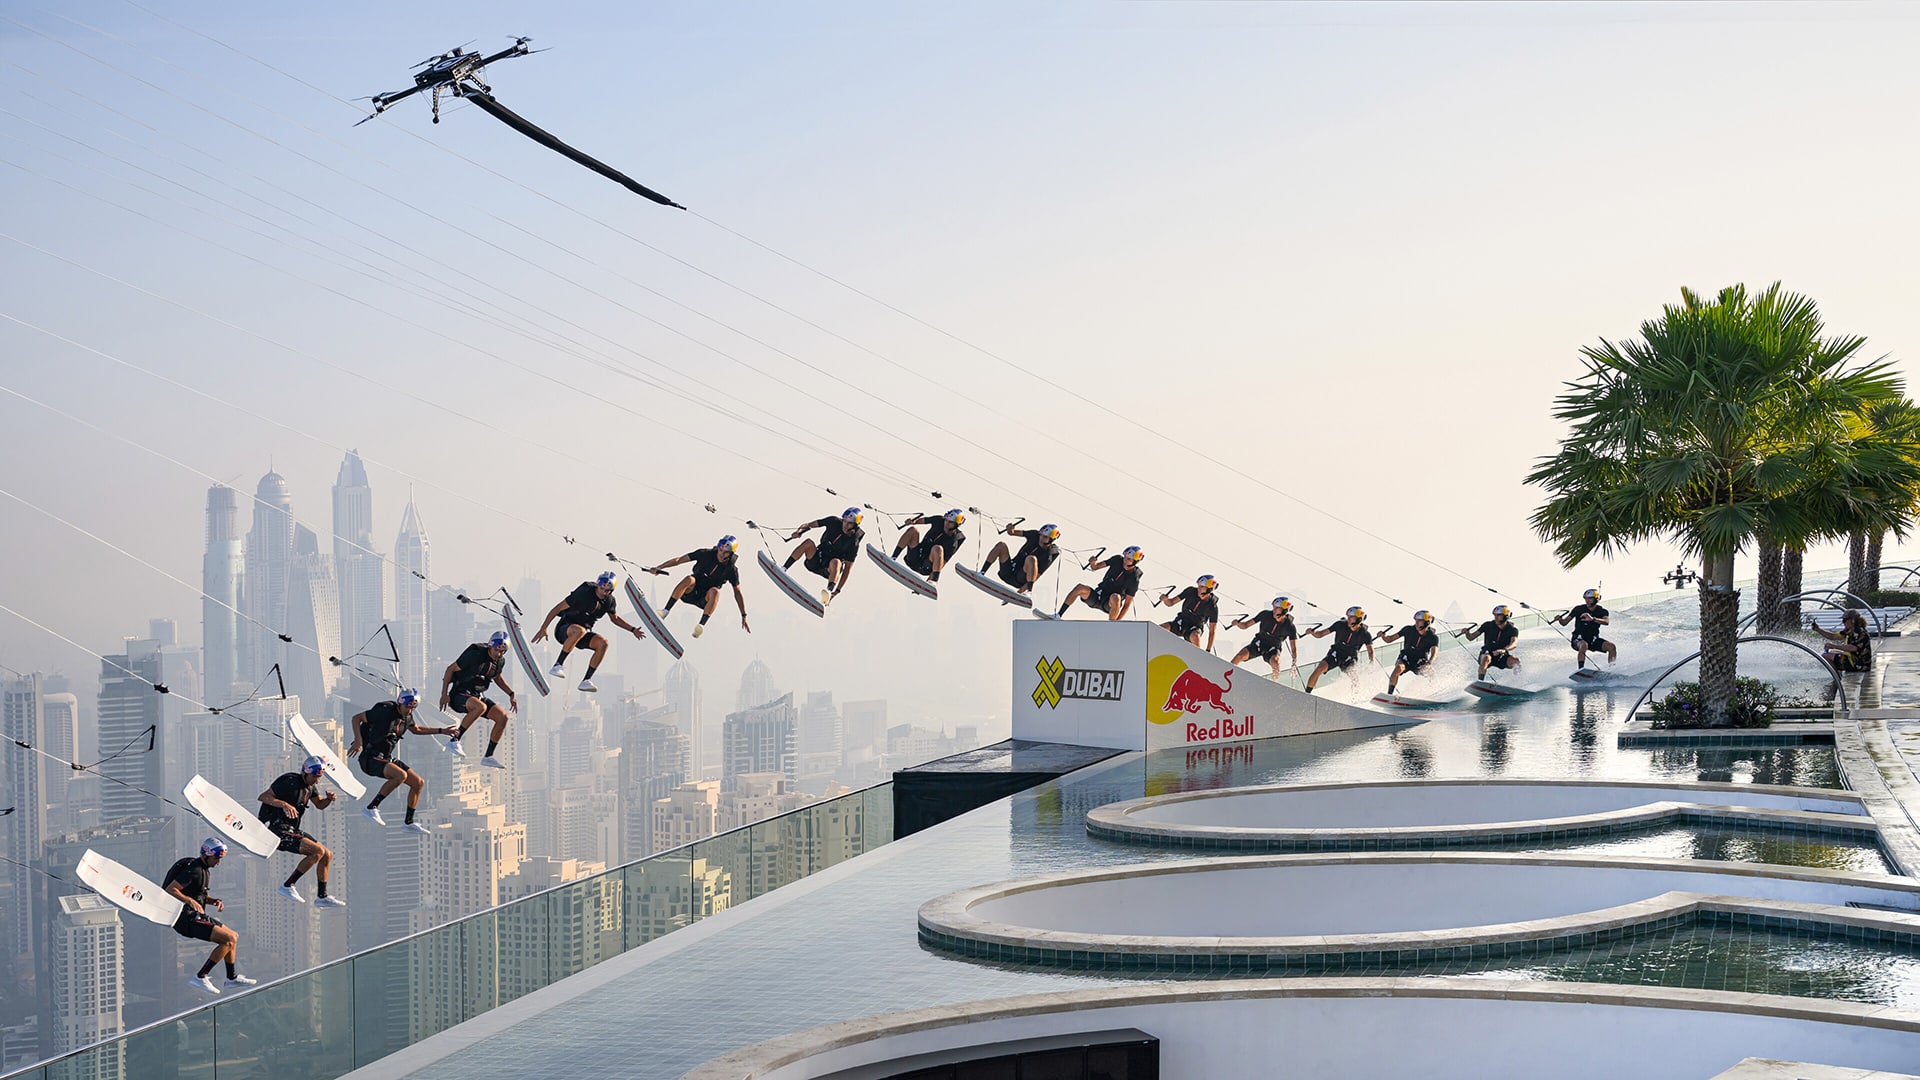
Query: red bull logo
{"x": 131, "y": 893}
{"x": 1191, "y": 690}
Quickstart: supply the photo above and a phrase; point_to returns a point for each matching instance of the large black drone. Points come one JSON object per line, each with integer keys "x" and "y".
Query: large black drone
{"x": 458, "y": 72}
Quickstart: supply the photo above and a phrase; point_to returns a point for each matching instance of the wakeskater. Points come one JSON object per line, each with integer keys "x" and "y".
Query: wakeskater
{"x": 464, "y": 682}
{"x": 187, "y": 881}
{"x": 928, "y": 556}
{"x": 281, "y": 806}
{"x": 1496, "y": 637}
{"x": 583, "y": 607}
{"x": 376, "y": 739}
{"x": 833, "y": 557}
{"x": 1274, "y": 628}
{"x": 1021, "y": 570}
{"x": 1349, "y": 635}
{"x": 1419, "y": 645}
{"x": 1114, "y": 594}
{"x": 712, "y": 568}
{"x": 1587, "y": 620}
{"x": 1198, "y": 607}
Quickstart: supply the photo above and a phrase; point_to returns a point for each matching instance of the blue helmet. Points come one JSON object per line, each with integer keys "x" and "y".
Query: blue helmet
{"x": 851, "y": 515}
{"x": 1133, "y": 555}
{"x": 1049, "y": 533}
{"x": 1502, "y": 611}
{"x": 314, "y": 765}
{"x": 956, "y": 518}
{"x": 606, "y": 579}
{"x": 497, "y": 640}
{"x": 409, "y": 698}
{"x": 725, "y": 545}
{"x": 1206, "y": 581}
{"x": 1282, "y": 604}
{"x": 213, "y": 847}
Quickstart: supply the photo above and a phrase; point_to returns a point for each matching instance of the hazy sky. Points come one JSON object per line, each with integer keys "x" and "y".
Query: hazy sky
{"x": 1349, "y": 250}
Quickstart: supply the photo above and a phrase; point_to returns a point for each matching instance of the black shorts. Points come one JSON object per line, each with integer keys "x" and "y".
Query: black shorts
{"x": 918, "y": 561}
{"x": 1415, "y": 665}
{"x": 193, "y": 924}
{"x": 1014, "y": 573}
{"x": 696, "y": 593}
{"x": 816, "y": 563}
{"x": 290, "y": 837}
{"x": 1262, "y": 648}
{"x": 1850, "y": 662}
{"x": 458, "y": 700}
{"x": 1503, "y": 661}
{"x": 586, "y": 639}
{"x": 1598, "y": 644}
{"x": 1186, "y": 629}
{"x": 1097, "y": 600}
{"x": 1341, "y": 660}
{"x": 375, "y": 765}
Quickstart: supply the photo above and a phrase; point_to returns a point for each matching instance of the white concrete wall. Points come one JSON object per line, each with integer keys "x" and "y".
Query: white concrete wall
{"x": 1431, "y": 1038}
{"x": 1410, "y": 805}
{"x": 1289, "y": 900}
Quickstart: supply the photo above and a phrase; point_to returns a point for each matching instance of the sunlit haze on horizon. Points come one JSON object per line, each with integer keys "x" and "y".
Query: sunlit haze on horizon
{"x": 1350, "y": 251}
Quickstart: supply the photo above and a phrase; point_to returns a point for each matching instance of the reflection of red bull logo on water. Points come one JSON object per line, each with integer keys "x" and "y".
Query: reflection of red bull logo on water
{"x": 1190, "y": 690}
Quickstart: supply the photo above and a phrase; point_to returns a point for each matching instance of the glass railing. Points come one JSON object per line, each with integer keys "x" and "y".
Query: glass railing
{"x": 330, "y": 1020}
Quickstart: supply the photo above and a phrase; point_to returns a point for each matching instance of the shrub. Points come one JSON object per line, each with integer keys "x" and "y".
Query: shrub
{"x": 1754, "y": 703}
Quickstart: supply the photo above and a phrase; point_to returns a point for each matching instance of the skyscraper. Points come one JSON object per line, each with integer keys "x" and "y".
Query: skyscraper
{"x": 220, "y": 579}
{"x": 269, "y": 563}
{"x": 61, "y": 715}
{"x": 129, "y": 710}
{"x": 23, "y": 785}
{"x": 411, "y": 569}
{"x": 756, "y": 686}
{"x": 357, "y": 566}
{"x": 683, "y": 693}
{"x": 313, "y": 618}
{"x": 87, "y": 968}
{"x": 759, "y": 740}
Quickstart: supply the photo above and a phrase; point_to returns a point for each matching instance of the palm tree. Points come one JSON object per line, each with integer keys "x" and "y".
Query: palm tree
{"x": 1730, "y": 418}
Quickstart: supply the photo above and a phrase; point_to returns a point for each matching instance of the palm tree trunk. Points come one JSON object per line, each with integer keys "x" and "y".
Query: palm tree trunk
{"x": 1874, "y": 544}
{"x": 1857, "y": 562}
{"x": 1791, "y": 564}
{"x": 1766, "y": 593}
{"x": 1719, "y": 634}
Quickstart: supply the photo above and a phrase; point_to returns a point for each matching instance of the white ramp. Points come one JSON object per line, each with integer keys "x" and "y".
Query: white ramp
{"x": 1133, "y": 686}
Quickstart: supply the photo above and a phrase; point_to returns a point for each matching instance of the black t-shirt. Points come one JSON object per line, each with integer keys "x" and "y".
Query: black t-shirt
{"x": 1348, "y": 639}
{"x": 191, "y": 875}
{"x": 476, "y": 668}
{"x": 585, "y": 605}
{"x": 1121, "y": 579}
{"x": 1415, "y": 643}
{"x": 839, "y": 540}
{"x": 1044, "y": 553}
{"x": 1274, "y": 628}
{"x": 1194, "y": 610}
{"x": 289, "y": 788}
{"x": 1589, "y": 631}
{"x": 709, "y": 572}
{"x": 939, "y": 537}
{"x": 1496, "y": 636}
{"x": 380, "y": 732}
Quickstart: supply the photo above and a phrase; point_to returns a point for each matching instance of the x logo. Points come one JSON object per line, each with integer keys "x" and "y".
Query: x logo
{"x": 1048, "y": 692}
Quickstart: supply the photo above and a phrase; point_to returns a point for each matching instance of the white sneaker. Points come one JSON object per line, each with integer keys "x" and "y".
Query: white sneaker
{"x": 492, "y": 762}
{"x": 557, "y": 671}
{"x": 241, "y": 980}
{"x": 372, "y": 813}
{"x": 586, "y": 686}
{"x": 416, "y": 827}
{"x": 201, "y": 982}
{"x": 826, "y": 597}
{"x": 698, "y": 629}
{"x": 328, "y": 901}
{"x": 292, "y": 894}
{"x": 454, "y": 748}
